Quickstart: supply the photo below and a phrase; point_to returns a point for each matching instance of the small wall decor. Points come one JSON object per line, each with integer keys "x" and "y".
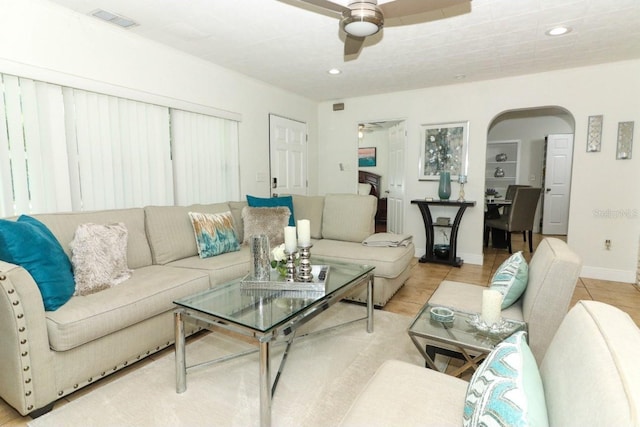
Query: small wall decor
{"x": 594, "y": 134}
{"x": 444, "y": 147}
{"x": 625, "y": 140}
{"x": 366, "y": 157}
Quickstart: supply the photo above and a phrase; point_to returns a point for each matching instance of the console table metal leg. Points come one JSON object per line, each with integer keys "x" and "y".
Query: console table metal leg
{"x": 265, "y": 384}
{"x": 370, "y": 304}
{"x": 181, "y": 363}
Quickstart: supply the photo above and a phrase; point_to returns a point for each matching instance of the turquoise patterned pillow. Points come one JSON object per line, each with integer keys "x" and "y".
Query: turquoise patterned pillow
{"x": 215, "y": 234}
{"x": 511, "y": 279}
{"x": 506, "y": 390}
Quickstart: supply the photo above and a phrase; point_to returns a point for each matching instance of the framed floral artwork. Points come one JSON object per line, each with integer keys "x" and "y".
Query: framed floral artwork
{"x": 443, "y": 147}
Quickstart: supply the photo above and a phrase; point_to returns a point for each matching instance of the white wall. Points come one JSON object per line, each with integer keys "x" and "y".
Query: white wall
{"x": 605, "y": 200}
{"x": 41, "y": 40}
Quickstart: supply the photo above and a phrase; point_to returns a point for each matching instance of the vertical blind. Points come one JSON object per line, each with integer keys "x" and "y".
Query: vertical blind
{"x": 121, "y": 151}
{"x": 65, "y": 149}
{"x": 205, "y": 155}
{"x": 34, "y": 174}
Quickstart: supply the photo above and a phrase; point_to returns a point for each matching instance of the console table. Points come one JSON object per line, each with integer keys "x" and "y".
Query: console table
{"x": 429, "y": 256}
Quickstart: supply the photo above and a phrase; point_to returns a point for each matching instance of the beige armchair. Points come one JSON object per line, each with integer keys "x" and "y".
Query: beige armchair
{"x": 520, "y": 216}
{"x": 553, "y": 272}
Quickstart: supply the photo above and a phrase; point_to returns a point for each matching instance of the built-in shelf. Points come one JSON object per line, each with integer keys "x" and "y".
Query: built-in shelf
{"x": 510, "y": 166}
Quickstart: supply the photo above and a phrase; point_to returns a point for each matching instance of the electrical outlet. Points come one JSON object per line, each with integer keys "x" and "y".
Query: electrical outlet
{"x": 607, "y": 244}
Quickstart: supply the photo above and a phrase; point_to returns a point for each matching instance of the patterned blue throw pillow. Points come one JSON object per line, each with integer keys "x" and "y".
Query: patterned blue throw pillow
{"x": 511, "y": 278}
{"x": 215, "y": 234}
{"x": 506, "y": 390}
{"x": 273, "y": 202}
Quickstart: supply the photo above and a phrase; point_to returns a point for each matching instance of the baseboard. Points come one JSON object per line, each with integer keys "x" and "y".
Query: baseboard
{"x": 608, "y": 274}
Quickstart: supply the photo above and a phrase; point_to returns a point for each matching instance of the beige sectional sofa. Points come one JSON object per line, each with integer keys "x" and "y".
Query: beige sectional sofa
{"x": 590, "y": 376}
{"x": 46, "y": 355}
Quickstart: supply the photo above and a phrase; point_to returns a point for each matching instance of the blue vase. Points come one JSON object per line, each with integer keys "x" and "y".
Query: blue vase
{"x": 444, "y": 188}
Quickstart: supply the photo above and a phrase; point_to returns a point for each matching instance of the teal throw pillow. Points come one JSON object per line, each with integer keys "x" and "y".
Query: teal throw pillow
{"x": 30, "y": 244}
{"x": 511, "y": 279}
{"x": 507, "y": 390}
{"x": 215, "y": 234}
{"x": 273, "y": 202}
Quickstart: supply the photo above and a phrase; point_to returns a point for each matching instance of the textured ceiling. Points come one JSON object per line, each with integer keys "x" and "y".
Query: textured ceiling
{"x": 293, "y": 48}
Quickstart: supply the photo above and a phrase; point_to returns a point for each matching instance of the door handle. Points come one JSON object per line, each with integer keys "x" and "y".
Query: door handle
{"x": 547, "y": 190}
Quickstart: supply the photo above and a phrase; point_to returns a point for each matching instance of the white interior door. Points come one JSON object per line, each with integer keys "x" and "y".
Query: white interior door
{"x": 288, "y": 155}
{"x": 557, "y": 184}
{"x": 395, "y": 194}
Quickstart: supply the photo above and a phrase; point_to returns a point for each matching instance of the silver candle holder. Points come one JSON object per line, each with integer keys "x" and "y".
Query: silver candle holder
{"x": 305, "y": 275}
{"x": 290, "y": 265}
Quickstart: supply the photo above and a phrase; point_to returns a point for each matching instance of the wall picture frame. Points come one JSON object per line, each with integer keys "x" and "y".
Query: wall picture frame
{"x": 443, "y": 147}
{"x": 366, "y": 157}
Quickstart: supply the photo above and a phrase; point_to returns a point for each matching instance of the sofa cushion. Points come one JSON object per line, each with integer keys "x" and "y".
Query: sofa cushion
{"x": 402, "y": 394}
{"x": 99, "y": 257}
{"x": 389, "y": 262}
{"x": 221, "y": 268}
{"x": 506, "y": 390}
{"x": 268, "y": 221}
{"x": 591, "y": 371}
{"x": 510, "y": 279}
{"x": 310, "y": 207}
{"x": 170, "y": 232}
{"x": 28, "y": 243}
{"x": 150, "y": 291}
{"x": 215, "y": 233}
{"x": 64, "y": 225}
{"x": 348, "y": 217}
{"x": 274, "y": 202}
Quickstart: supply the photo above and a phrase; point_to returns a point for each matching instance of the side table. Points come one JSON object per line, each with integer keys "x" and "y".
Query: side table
{"x": 429, "y": 256}
{"x": 472, "y": 344}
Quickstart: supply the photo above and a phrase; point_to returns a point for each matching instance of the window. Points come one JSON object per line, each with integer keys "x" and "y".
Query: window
{"x": 65, "y": 149}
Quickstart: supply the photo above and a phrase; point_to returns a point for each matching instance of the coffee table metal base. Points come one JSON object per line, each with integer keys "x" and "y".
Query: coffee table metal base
{"x": 265, "y": 340}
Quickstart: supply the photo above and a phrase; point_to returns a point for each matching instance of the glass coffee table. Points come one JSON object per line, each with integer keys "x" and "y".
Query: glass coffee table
{"x": 457, "y": 337}
{"x": 266, "y": 315}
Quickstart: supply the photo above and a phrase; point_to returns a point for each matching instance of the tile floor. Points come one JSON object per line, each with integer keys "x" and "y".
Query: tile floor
{"x": 417, "y": 290}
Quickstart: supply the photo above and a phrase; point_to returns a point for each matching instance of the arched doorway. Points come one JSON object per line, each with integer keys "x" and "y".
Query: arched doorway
{"x": 529, "y": 128}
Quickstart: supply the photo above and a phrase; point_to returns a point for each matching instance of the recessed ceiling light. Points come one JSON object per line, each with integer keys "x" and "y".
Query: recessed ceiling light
{"x": 558, "y": 31}
{"x": 334, "y": 71}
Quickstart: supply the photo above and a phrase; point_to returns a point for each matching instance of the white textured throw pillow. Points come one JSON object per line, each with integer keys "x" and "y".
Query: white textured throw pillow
{"x": 99, "y": 257}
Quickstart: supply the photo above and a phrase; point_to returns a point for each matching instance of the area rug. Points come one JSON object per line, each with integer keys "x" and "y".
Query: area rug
{"x": 323, "y": 375}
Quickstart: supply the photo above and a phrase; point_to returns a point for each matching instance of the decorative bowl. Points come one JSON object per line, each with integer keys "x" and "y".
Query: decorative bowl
{"x": 442, "y": 314}
{"x": 441, "y": 251}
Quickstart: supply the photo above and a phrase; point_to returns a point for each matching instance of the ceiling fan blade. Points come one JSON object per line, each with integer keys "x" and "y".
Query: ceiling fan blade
{"x": 400, "y": 8}
{"x": 326, "y": 4}
{"x": 352, "y": 45}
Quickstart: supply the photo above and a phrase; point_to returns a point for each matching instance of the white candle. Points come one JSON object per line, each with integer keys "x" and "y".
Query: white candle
{"x": 304, "y": 232}
{"x": 290, "y": 243}
{"x": 491, "y": 306}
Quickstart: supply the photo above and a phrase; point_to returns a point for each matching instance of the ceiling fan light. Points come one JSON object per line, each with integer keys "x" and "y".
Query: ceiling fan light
{"x": 361, "y": 28}
{"x": 364, "y": 20}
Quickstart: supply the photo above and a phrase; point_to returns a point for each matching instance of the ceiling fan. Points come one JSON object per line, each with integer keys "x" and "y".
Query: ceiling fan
{"x": 364, "y": 18}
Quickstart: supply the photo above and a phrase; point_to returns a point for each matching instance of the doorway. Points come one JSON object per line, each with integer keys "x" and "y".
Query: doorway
{"x": 387, "y": 139}
{"x": 531, "y": 127}
{"x": 288, "y": 156}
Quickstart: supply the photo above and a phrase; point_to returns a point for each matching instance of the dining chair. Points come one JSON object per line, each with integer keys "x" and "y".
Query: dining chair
{"x": 521, "y": 215}
{"x": 508, "y": 195}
